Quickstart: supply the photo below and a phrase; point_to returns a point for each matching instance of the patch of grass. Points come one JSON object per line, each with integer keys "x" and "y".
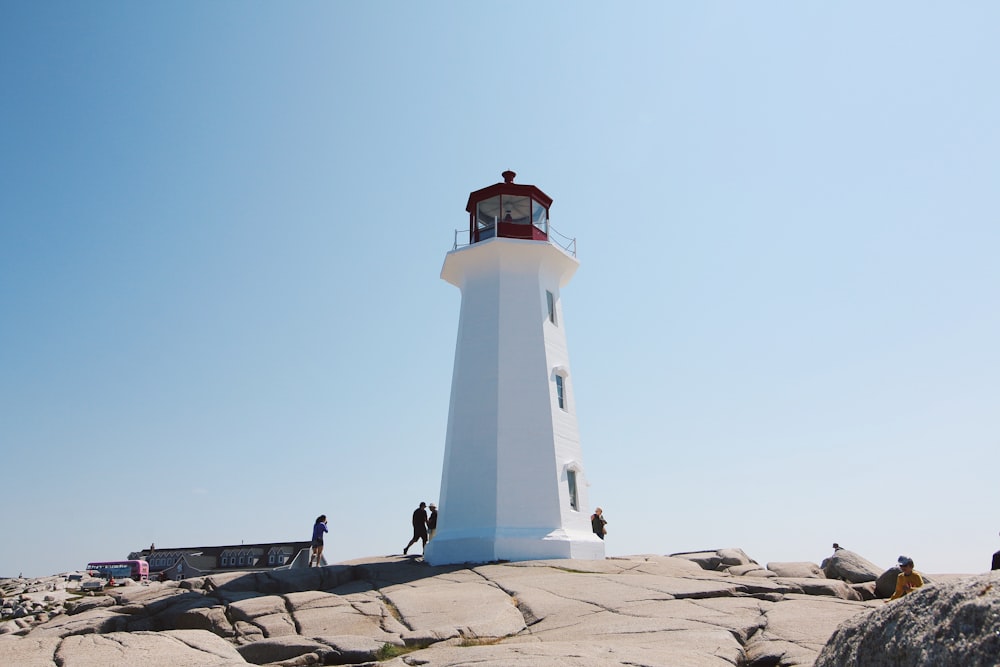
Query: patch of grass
{"x": 393, "y": 610}
{"x": 390, "y": 651}
{"x": 480, "y": 641}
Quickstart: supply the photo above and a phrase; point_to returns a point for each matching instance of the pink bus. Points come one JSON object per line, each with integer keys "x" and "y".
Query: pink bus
{"x": 120, "y": 569}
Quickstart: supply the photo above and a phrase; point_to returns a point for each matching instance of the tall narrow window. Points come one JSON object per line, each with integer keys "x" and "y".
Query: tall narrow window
{"x": 550, "y": 300}
{"x": 561, "y": 391}
{"x": 571, "y": 481}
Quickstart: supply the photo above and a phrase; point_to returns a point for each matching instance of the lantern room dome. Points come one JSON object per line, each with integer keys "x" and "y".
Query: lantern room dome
{"x": 509, "y": 210}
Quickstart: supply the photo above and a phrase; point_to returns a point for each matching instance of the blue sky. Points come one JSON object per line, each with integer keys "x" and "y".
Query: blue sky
{"x": 222, "y": 224}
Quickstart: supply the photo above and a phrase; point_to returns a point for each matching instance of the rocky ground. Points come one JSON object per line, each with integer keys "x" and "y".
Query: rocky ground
{"x": 710, "y": 609}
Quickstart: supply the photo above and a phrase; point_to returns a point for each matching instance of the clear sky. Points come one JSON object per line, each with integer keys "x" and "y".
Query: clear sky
{"x": 222, "y": 226}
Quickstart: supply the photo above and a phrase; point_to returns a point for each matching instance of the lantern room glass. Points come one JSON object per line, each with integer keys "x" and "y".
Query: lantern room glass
{"x": 487, "y": 216}
{"x": 509, "y": 209}
{"x": 540, "y": 217}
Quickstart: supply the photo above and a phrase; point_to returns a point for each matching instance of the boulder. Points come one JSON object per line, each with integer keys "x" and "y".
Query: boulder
{"x": 850, "y": 567}
{"x": 950, "y": 623}
{"x": 731, "y": 557}
{"x": 750, "y": 569}
{"x": 760, "y": 572}
{"x": 350, "y": 649}
{"x": 827, "y": 587}
{"x": 885, "y": 584}
{"x": 707, "y": 560}
{"x": 99, "y": 621}
{"x": 90, "y": 603}
{"x": 718, "y": 560}
{"x": 213, "y": 619}
{"x": 865, "y": 590}
{"x": 28, "y": 652}
{"x": 190, "y": 648}
{"x": 277, "y": 649}
{"x": 797, "y": 570}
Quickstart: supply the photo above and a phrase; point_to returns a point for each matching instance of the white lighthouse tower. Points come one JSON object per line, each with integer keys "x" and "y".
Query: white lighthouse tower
{"x": 513, "y": 484}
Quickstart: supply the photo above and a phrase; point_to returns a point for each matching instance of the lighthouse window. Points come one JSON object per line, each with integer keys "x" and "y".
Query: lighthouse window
{"x": 550, "y": 300}
{"x": 539, "y": 216}
{"x": 574, "y": 500}
{"x": 487, "y": 215}
{"x": 561, "y": 391}
{"x": 516, "y": 209}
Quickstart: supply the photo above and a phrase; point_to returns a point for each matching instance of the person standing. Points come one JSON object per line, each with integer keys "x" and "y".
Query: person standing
{"x": 907, "y": 580}
{"x": 317, "y": 539}
{"x": 597, "y": 523}
{"x": 419, "y": 527}
{"x": 996, "y": 561}
{"x": 432, "y": 522}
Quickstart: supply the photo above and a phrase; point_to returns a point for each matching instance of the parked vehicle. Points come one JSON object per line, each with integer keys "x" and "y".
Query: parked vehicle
{"x": 137, "y": 570}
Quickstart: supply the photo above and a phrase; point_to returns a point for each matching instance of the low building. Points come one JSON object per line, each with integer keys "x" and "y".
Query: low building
{"x": 183, "y": 562}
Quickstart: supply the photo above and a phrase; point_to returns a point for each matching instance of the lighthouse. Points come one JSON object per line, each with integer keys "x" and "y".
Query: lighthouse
{"x": 513, "y": 483}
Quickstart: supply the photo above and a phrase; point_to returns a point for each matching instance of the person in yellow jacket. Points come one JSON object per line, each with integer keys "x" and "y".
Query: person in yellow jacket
{"x": 908, "y": 579}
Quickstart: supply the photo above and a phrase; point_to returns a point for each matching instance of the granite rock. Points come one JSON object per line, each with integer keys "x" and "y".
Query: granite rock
{"x": 708, "y": 609}
{"x": 953, "y": 622}
{"x": 797, "y": 570}
{"x": 850, "y": 567}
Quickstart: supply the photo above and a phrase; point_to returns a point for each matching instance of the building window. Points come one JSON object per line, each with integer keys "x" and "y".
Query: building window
{"x": 561, "y": 391}
{"x": 550, "y": 301}
{"x": 241, "y": 560}
{"x": 574, "y": 500}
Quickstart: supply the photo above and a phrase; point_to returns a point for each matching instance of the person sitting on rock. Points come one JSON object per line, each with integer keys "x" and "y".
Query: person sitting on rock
{"x": 907, "y": 580}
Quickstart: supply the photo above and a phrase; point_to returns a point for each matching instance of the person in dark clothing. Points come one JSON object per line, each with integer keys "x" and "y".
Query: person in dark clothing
{"x": 317, "y": 540}
{"x": 419, "y": 527}
{"x": 996, "y": 561}
{"x": 597, "y": 522}
{"x": 432, "y": 522}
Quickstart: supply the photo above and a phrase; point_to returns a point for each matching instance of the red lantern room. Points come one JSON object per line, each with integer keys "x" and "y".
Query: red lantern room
{"x": 508, "y": 210}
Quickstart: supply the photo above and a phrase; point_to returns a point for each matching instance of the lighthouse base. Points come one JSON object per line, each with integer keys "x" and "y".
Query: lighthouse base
{"x": 458, "y": 547}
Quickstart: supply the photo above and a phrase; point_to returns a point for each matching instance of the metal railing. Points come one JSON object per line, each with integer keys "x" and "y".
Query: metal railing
{"x": 566, "y": 243}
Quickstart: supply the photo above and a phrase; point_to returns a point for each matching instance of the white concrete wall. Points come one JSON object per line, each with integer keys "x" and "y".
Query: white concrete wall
{"x": 504, "y": 494}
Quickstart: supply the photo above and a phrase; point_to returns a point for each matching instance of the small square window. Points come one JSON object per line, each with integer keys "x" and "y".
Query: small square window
{"x": 574, "y": 501}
